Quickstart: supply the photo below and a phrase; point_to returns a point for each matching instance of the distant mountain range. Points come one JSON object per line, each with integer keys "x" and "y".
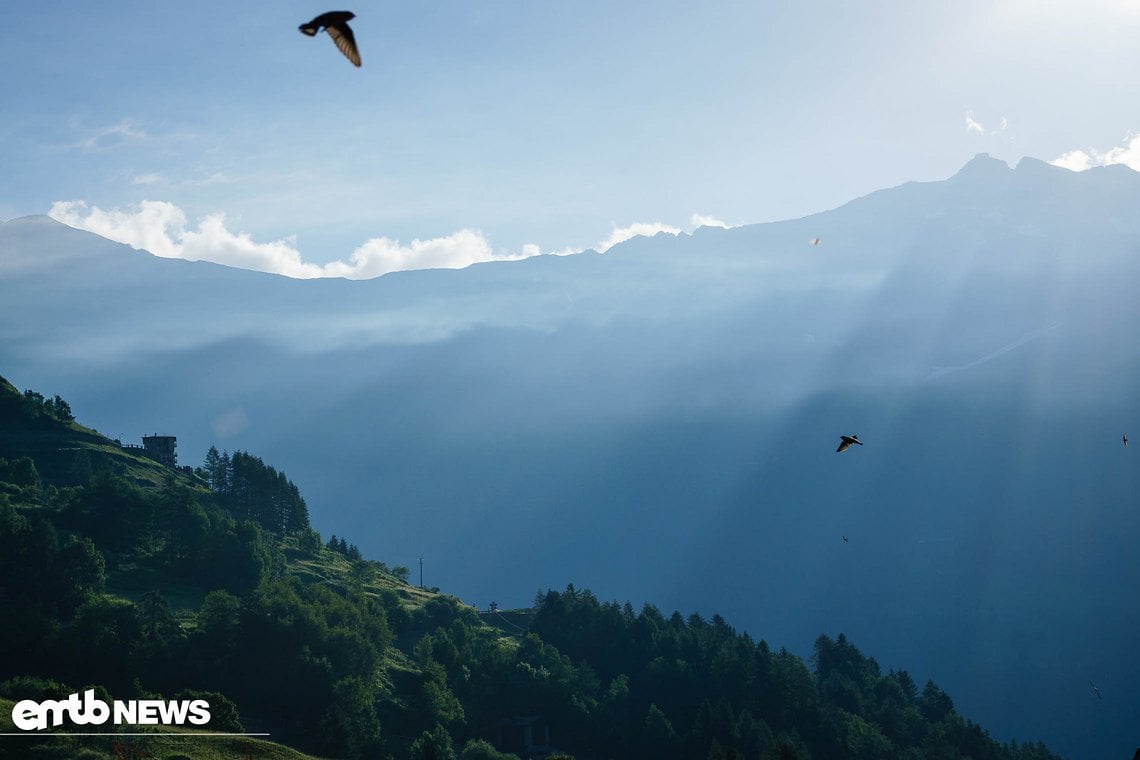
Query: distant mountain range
{"x": 659, "y": 422}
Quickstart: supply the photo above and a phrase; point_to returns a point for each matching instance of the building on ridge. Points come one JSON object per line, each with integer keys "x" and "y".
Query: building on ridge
{"x": 160, "y": 448}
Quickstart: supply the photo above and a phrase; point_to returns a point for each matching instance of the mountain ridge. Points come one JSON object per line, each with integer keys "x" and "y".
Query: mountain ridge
{"x": 981, "y": 168}
{"x": 550, "y": 409}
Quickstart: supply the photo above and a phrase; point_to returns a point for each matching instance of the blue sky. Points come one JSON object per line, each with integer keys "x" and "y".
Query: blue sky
{"x": 500, "y": 129}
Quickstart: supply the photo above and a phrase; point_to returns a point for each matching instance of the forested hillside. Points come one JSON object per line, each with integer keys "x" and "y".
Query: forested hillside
{"x": 144, "y": 581}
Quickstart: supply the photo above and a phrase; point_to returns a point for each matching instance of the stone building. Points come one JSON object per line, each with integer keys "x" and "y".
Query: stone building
{"x": 160, "y": 448}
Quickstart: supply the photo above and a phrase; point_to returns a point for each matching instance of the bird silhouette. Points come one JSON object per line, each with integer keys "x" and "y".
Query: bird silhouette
{"x": 815, "y": 241}
{"x": 1126, "y": 440}
{"x": 336, "y": 24}
{"x": 846, "y": 441}
{"x": 845, "y": 539}
{"x": 1094, "y": 688}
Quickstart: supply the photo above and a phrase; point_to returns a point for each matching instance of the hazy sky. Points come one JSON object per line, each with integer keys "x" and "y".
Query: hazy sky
{"x": 502, "y": 128}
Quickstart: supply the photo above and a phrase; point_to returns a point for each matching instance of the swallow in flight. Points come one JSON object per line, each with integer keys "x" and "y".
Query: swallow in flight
{"x": 336, "y": 24}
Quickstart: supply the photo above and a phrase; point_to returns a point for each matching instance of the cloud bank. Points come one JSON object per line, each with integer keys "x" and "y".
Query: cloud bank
{"x": 622, "y": 234}
{"x": 649, "y": 229}
{"x": 1127, "y": 154}
{"x": 163, "y": 229}
{"x": 381, "y": 255}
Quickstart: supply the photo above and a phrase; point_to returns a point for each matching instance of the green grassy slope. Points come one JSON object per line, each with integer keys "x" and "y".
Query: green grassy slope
{"x": 64, "y": 451}
{"x": 64, "y": 454}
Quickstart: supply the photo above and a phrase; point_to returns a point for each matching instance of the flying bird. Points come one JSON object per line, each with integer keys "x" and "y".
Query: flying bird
{"x": 1094, "y": 688}
{"x": 336, "y": 24}
{"x": 1126, "y": 440}
{"x": 845, "y": 539}
{"x": 815, "y": 241}
{"x": 845, "y": 442}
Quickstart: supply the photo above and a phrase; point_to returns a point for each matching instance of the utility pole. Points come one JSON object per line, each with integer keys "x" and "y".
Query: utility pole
{"x": 421, "y": 572}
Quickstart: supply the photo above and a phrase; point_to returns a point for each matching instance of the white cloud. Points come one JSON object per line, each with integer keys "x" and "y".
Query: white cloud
{"x": 146, "y": 179}
{"x": 621, "y": 234}
{"x": 975, "y": 126}
{"x": 162, "y": 229}
{"x": 217, "y": 178}
{"x": 1127, "y": 154}
{"x": 972, "y": 125}
{"x": 145, "y": 228}
{"x": 213, "y": 242}
{"x": 200, "y": 180}
{"x": 1074, "y": 160}
{"x": 700, "y": 220}
{"x": 116, "y": 134}
{"x": 381, "y": 255}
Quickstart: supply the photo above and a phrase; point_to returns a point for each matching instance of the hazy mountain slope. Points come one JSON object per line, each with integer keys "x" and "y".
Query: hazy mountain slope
{"x": 659, "y": 422}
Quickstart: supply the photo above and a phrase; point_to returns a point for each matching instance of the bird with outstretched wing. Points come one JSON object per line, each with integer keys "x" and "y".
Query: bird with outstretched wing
{"x": 336, "y": 24}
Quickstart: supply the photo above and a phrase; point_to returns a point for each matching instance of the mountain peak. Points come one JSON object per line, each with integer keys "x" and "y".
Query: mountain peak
{"x": 40, "y": 220}
{"x": 1036, "y": 167}
{"x": 983, "y": 165}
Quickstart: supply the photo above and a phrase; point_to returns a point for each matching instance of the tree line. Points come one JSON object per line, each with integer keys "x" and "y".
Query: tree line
{"x": 252, "y": 489}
